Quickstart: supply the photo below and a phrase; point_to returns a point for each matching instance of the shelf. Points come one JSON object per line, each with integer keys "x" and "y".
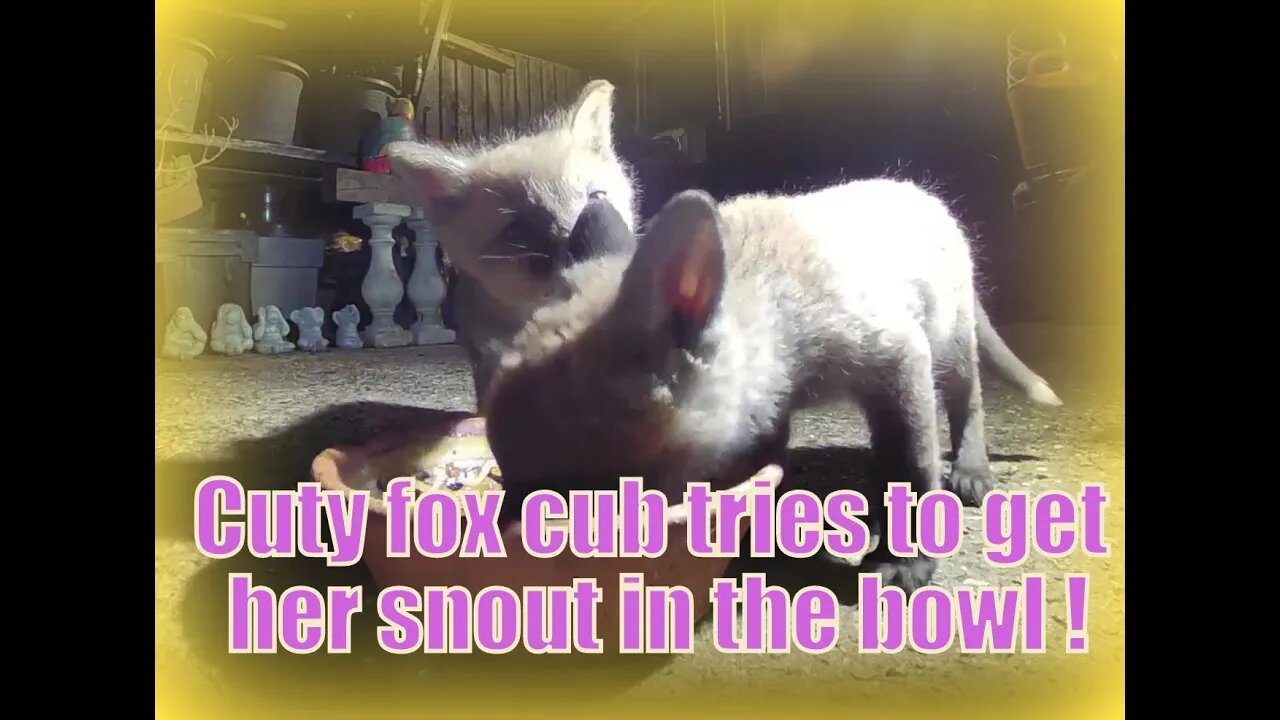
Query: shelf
{"x": 250, "y": 155}
{"x": 341, "y": 183}
{"x": 357, "y": 186}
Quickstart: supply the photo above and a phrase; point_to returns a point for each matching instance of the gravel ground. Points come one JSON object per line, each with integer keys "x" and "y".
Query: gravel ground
{"x": 261, "y": 419}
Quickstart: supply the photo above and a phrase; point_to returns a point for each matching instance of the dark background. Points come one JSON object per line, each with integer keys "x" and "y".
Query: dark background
{"x": 786, "y": 95}
{"x": 815, "y": 91}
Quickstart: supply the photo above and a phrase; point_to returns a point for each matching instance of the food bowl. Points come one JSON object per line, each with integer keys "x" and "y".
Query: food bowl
{"x": 458, "y": 456}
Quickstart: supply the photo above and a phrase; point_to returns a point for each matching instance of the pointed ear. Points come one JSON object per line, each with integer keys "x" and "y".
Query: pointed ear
{"x": 591, "y": 119}
{"x": 675, "y": 283}
{"x": 430, "y": 172}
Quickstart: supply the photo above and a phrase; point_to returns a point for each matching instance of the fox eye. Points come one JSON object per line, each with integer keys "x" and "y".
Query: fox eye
{"x": 596, "y": 194}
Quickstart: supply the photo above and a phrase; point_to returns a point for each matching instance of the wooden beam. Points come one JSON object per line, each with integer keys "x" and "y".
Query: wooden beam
{"x": 429, "y": 103}
{"x": 495, "y": 103}
{"x": 521, "y": 81}
{"x": 357, "y": 186}
{"x": 437, "y": 35}
{"x": 426, "y": 65}
{"x": 480, "y": 101}
{"x": 549, "y": 100}
{"x": 448, "y": 99}
{"x": 477, "y": 54}
{"x": 536, "y": 107}
{"x": 466, "y": 126}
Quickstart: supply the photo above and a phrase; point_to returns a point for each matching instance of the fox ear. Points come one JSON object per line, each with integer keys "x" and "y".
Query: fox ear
{"x": 431, "y": 173}
{"x": 675, "y": 283}
{"x": 591, "y": 120}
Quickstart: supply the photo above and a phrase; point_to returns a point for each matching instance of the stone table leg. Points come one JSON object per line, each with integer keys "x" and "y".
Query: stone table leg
{"x": 382, "y": 288}
{"x": 426, "y": 287}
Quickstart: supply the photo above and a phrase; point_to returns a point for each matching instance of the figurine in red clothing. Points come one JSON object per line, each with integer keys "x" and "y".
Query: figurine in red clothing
{"x": 396, "y": 126}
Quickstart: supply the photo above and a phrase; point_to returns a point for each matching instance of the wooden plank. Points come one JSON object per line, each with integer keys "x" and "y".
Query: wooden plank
{"x": 431, "y": 90}
{"x": 536, "y": 108}
{"x": 246, "y": 155}
{"x": 448, "y": 99}
{"x": 508, "y": 82}
{"x": 429, "y": 100}
{"x": 495, "y": 102}
{"x": 549, "y": 100}
{"x": 477, "y": 54}
{"x": 233, "y": 144}
{"x": 480, "y": 101}
{"x": 564, "y": 93}
{"x": 576, "y": 81}
{"x": 356, "y": 186}
{"x": 438, "y": 33}
{"x": 522, "y": 92}
{"x": 466, "y": 126}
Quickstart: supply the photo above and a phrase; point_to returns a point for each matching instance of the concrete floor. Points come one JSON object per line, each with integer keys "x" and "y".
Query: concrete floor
{"x": 261, "y": 419}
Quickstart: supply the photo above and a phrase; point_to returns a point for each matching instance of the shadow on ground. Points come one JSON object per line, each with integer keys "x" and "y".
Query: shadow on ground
{"x": 283, "y": 459}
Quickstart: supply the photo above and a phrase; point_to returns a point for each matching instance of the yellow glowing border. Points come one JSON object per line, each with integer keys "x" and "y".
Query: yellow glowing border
{"x": 1087, "y": 686}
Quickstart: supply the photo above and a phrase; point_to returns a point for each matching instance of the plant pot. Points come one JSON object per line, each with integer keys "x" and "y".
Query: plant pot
{"x": 1060, "y": 99}
{"x": 1023, "y": 43}
{"x": 181, "y": 67}
{"x": 339, "y": 110}
{"x": 263, "y": 94}
{"x": 402, "y": 454}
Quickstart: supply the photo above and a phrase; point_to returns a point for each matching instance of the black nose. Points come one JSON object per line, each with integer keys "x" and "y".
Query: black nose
{"x": 599, "y": 231}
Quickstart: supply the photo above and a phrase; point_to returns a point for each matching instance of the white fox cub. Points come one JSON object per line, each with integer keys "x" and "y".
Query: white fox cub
{"x": 505, "y": 212}
{"x": 685, "y": 359}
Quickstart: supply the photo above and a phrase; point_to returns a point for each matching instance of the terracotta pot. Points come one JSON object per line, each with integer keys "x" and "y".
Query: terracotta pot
{"x": 348, "y": 468}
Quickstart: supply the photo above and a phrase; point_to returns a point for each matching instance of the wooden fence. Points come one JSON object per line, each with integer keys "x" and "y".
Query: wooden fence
{"x": 467, "y": 101}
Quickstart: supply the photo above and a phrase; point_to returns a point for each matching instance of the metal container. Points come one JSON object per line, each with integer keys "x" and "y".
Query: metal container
{"x": 284, "y": 271}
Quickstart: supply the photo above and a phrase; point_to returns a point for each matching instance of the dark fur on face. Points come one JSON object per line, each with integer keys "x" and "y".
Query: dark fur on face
{"x": 585, "y": 393}
{"x": 686, "y": 360}
{"x": 508, "y": 213}
{"x": 593, "y": 429}
{"x": 585, "y": 422}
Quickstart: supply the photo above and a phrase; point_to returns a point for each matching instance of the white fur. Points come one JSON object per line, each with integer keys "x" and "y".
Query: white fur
{"x": 825, "y": 291}
{"x": 479, "y": 196}
{"x": 557, "y": 166}
{"x": 684, "y": 361}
